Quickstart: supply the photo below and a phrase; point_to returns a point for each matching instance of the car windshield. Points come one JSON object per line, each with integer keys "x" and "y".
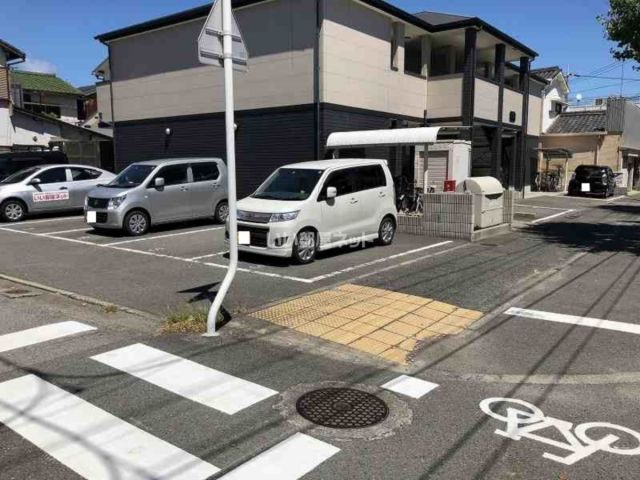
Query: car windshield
{"x": 584, "y": 170}
{"x": 131, "y": 177}
{"x": 21, "y": 175}
{"x": 289, "y": 184}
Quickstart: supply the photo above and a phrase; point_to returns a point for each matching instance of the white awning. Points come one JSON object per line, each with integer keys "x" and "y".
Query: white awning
{"x": 384, "y": 138}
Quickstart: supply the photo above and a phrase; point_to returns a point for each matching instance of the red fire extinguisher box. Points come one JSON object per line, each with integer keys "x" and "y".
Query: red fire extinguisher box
{"x": 449, "y": 186}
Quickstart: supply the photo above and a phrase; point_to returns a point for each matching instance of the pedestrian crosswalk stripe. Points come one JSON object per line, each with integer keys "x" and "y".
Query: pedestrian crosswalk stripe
{"x": 410, "y": 386}
{"x": 191, "y": 380}
{"x": 90, "y": 441}
{"x": 288, "y": 460}
{"x": 31, "y": 336}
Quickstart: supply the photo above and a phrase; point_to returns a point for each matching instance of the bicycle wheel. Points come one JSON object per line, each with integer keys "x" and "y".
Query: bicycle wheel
{"x": 581, "y": 434}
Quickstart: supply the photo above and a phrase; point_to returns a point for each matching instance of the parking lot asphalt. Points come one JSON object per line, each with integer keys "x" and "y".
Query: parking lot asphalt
{"x": 181, "y": 263}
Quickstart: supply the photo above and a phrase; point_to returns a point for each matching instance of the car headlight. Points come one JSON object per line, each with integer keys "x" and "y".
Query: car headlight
{"x": 284, "y": 217}
{"x": 115, "y": 202}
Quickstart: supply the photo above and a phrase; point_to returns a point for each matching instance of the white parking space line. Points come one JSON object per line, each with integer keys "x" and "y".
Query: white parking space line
{"x": 60, "y": 232}
{"x": 379, "y": 260}
{"x": 31, "y": 336}
{"x": 288, "y": 460}
{"x": 90, "y": 441}
{"x": 188, "y": 379}
{"x": 47, "y": 220}
{"x": 201, "y": 257}
{"x": 550, "y": 217}
{"x": 410, "y": 386}
{"x": 539, "y": 206}
{"x": 575, "y": 320}
{"x": 169, "y": 235}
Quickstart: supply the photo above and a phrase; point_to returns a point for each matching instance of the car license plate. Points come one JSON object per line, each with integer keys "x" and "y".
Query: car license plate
{"x": 586, "y": 187}
{"x": 244, "y": 237}
{"x": 91, "y": 217}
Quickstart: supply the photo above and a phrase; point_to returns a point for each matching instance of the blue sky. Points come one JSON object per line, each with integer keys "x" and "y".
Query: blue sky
{"x": 58, "y": 36}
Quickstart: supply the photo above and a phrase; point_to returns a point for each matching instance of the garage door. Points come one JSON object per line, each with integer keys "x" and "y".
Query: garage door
{"x": 437, "y": 165}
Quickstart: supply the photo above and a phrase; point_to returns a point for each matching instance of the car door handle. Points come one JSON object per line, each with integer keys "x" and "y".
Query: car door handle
{"x": 382, "y": 194}
{"x": 184, "y": 189}
{"x": 353, "y": 200}
{"x": 64, "y": 188}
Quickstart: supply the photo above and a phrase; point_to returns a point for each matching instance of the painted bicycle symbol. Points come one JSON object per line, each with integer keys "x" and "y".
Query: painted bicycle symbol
{"x": 523, "y": 419}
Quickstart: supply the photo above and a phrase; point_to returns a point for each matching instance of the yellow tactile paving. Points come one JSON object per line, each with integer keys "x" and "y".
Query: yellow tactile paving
{"x": 380, "y": 322}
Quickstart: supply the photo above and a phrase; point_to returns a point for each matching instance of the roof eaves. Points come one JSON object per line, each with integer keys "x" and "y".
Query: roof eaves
{"x": 58, "y": 121}
{"x": 16, "y": 53}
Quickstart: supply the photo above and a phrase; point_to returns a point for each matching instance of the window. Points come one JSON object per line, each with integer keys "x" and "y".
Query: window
{"x": 342, "y": 181}
{"x": 173, "y": 175}
{"x": 289, "y": 184}
{"x": 203, "y": 172}
{"x": 413, "y": 56}
{"x": 53, "y": 175}
{"x": 79, "y": 174}
{"x": 132, "y": 176}
{"x": 369, "y": 177}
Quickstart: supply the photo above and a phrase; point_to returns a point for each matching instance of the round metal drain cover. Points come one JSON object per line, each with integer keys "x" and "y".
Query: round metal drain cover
{"x": 342, "y": 408}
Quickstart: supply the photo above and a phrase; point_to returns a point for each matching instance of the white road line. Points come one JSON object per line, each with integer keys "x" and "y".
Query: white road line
{"x": 31, "y": 336}
{"x": 67, "y": 231}
{"x": 410, "y": 386}
{"x": 188, "y": 379}
{"x": 201, "y": 257}
{"x": 156, "y": 237}
{"x": 377, "y": 261}
{"x": 550, "y": 217}
{"x": 288, "y": 460}
{"x": 90, "y": 441}
{"x": 575, "y": 320}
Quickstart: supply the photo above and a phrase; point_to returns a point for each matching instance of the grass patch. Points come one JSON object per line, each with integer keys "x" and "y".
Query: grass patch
{"x": 187, "y": 320}
{"x": 110, "y": 309}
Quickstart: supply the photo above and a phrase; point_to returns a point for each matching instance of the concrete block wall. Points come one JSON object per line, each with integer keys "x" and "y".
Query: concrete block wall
{"x": 448, "y": 215}
{"x": 451, "y": 215}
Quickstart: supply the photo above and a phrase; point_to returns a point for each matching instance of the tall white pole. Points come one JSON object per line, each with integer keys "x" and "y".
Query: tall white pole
{"x": 227, "y": 47}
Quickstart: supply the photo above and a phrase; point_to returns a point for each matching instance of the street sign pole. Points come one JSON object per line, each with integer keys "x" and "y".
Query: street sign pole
{"x": 229, "y": 33}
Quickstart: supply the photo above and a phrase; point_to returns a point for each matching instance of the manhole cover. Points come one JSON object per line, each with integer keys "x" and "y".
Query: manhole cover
{"x": 342, "y": 408}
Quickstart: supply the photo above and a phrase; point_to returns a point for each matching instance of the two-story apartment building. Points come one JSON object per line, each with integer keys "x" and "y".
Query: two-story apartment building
{"x": 321, "y": 66}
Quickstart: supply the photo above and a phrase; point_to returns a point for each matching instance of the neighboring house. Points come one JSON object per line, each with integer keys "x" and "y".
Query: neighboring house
{"x": 555, "y": 94}
{"x": 45, "y": 93}
{"x": 89, "y": 103}
{"x": 322, "y": 66}
{"x": 26, "y": 127}
{"x": 609, "y": 137}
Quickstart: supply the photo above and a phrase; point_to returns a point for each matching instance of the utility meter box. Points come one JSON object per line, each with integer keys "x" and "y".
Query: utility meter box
{"x": 488, "y": 202}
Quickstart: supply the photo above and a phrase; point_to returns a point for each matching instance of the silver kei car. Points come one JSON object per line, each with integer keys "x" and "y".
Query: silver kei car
{"x": 48, "y": 188}
{"x": 160, "y": 191}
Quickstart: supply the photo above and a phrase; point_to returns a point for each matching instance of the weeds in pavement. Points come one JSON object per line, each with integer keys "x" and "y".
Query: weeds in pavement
{"x": 110, "y": 309}
{"x": 186, "y": 320}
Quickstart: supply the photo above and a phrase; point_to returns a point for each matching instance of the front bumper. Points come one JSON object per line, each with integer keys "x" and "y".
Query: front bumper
{"x": 272, "y": 239}
{"x": 112, "y": 219}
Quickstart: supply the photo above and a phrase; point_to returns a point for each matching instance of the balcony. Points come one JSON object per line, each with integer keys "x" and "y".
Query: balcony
{"x": 444, "y": 97}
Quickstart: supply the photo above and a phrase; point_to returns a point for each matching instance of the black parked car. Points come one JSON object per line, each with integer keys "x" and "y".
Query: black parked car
{"x": 11, "y": 162}
{"x": 593, "y": 180}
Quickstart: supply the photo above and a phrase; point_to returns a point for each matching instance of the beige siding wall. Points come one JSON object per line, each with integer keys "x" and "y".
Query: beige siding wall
{"x": 157, "y": 74}
{"x": 512, "y": 103}
{"x": 486, "y": 105}
{"x": 103, "y": 93}
{"x": 534, "y": 125}
{"x": 445, "y": 97}
{"x": 356, "y": 62}
{"x": 584, "y": 148}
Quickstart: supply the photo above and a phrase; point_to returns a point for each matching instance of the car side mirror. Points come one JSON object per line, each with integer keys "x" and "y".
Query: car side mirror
{"x": 158, "y": 182}
{"x": 332, "y": 192}
{"x": 35, "y": 181}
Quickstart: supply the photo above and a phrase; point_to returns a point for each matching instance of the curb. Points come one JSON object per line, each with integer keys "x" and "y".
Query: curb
{"x": 78, "y": 297}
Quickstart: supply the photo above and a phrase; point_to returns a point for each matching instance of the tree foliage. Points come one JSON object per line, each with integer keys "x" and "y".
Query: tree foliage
{"x": 622, "y": 25}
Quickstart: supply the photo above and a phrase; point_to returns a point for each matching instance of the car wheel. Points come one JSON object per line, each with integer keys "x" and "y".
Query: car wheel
{"x": 386, "y": 231}
{"x": 13, "y": 211}
{"x": 222, "y": 212}
{"x": 305, "y": 246}
{"x": 136, "y": 223}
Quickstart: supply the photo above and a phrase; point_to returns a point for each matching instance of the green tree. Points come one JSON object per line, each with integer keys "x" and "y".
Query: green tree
{"x": 622, "y": 25}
